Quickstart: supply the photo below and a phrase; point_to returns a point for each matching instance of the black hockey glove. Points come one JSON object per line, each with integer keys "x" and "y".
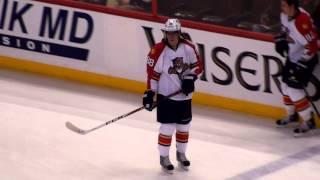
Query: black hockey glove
{"x": 188, "y": 84}
{"x": 281, "y": 45}
{"x": 300, "y": 69}
{"x": 303, "y": 70}
{"x": 147, "y": 100}
{"x": 296, "y": 75}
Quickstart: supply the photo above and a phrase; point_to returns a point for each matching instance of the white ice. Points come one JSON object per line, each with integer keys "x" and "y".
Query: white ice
{"x": 35, "y": 145}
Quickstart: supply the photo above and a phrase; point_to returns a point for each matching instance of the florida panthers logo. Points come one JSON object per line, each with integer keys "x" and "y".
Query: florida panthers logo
{"x": 178, "y": 67}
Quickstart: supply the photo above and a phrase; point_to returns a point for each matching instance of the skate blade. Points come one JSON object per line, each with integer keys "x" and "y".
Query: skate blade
{"x": 167, "y": 171}
{"x": 185, "y": 168}
{"x": 297, "y": 135}
{"x": 291, "y": 125}
{"x": 305, "y": 134}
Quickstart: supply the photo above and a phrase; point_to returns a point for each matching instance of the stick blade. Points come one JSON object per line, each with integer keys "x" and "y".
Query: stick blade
{"x": 75, "y": 129}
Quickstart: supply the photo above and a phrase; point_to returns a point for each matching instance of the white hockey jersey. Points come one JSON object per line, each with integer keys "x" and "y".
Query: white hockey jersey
{"x": 166, "y": 67}
{"x": 301, "y": 36}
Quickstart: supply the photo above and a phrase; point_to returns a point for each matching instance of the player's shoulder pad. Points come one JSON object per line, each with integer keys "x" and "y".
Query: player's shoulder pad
{"x": 188, "y": 43}
{"x": 303, "y": 23}
{"x": 156, "y": 50}
{"x": 190, "y": 46}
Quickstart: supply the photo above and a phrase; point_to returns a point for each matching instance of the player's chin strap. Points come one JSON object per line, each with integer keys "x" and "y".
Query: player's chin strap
{"x": 74, "y": 128}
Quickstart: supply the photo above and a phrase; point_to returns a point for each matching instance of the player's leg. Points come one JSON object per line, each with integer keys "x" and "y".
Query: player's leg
{"x": 304, "y": 110}
{"x": 182, "y": 137}
{"x": 292, "y": 115}
{"x": 165, "y": 116}
{"x": 184, "y": 112}
{"x": 164, "y": 142}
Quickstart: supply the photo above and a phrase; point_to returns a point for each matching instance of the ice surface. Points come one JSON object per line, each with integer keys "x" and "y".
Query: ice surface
{"x": 36, "y": 145}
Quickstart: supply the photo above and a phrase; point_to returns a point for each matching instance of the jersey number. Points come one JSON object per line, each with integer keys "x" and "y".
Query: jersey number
{"x": 150, "y": 62}
{"x": 310, "y": 36}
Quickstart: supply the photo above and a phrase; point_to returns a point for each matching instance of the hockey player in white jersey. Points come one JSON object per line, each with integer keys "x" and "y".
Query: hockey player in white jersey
{"x": 298, "y": 43}
{"x": 172, "y": 65}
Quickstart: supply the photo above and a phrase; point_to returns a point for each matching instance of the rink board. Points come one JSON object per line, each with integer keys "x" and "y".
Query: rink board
{"x": 109, "y": 50}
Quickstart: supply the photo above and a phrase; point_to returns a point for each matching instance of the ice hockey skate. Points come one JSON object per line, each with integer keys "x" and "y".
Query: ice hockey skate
{"x": 184, "y": 163}
{"x": 166, "y": 164}
{"x": 292, "y": 119}
{"x": 305, "y": 127}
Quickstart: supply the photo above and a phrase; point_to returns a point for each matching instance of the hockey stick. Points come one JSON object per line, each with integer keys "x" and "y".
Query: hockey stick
{"x": 311, "y": 102}
{"x": 75, "y": 129}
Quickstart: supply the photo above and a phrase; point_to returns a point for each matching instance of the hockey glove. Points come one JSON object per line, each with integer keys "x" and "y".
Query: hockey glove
{"x": 188, "y": 84}
{"x": 281, "y": 45}
{"x": 304, "y": 69}
{"x": 147, "y": 100}
{"x": 299, "y": 70}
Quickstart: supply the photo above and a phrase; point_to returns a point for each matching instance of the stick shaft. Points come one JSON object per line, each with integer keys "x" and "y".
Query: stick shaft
{"x": 311, "y": 102}
{"x": 114, "y": 120}
{"x": 83, "y": 132}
